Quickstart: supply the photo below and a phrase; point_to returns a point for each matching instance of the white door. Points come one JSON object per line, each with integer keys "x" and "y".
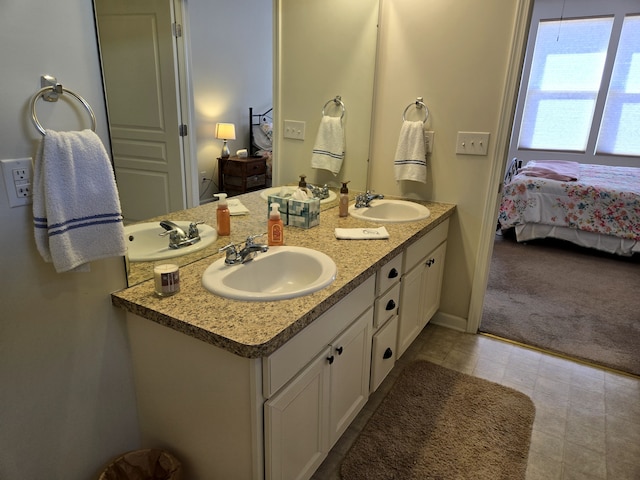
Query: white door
{"x": 138, "y": 50}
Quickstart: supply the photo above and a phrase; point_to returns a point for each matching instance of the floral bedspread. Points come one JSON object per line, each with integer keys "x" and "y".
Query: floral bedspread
{"x": 603, "y": 200}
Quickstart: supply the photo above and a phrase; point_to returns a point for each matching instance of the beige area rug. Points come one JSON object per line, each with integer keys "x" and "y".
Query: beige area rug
{"x": 437, "y": 423}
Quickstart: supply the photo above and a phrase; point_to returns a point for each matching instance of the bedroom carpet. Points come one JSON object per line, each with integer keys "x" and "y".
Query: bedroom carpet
{"x": 436, "y": 423}
{"x": 565, "y": 299}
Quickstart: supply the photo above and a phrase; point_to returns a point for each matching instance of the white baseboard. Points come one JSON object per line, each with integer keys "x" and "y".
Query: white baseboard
{"x": 450, "y": 321}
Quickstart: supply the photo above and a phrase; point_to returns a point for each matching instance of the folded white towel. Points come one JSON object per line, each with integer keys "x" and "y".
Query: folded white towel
{"x": 236, "y": 207}
{"x": 411, "y": 155}
{"x": 328, "y": 151}
{"x": 76, "y": 209}
{"x": 379, "y": 233}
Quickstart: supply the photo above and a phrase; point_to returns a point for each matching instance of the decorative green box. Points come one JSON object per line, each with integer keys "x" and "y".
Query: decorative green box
{"x": 304, "y": 213}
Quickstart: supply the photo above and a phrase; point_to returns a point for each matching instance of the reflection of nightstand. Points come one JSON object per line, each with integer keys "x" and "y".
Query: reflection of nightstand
{"x": 240, "y": 175}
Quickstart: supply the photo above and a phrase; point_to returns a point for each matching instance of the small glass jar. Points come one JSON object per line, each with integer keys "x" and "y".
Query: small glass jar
{"x": 167, "y": 279}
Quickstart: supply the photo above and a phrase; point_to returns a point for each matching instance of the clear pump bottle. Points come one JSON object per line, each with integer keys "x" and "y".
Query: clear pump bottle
{"x": 223, "y": 218}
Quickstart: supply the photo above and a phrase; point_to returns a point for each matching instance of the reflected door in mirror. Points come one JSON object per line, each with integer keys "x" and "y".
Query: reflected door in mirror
{"x": 138, "y": 50}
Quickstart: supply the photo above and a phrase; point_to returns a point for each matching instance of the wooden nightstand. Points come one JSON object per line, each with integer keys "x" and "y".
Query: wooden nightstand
{"x": 241, "y": 175}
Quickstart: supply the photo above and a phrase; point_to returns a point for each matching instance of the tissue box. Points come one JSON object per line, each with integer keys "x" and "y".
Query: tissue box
{"x": 284, "y": 207}
{"x": 304, "y": 213}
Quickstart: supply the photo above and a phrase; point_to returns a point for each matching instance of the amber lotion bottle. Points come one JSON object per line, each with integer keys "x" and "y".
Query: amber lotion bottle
{"x": 344, "y": 200}
{"x": 223, "y": 217}
{"x": 274, "y": 226}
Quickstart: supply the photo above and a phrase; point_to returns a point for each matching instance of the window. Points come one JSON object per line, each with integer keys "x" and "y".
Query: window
{"x": 580, "y": 92}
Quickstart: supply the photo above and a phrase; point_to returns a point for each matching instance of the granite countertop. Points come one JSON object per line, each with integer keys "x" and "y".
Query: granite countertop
{"x": 256, "y": 329}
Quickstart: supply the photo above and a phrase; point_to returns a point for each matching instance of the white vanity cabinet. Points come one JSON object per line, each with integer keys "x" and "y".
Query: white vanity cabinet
{"x": 304, "y": 418}
{"x": 383, "y": 350}
{"x": 421, "y": 284}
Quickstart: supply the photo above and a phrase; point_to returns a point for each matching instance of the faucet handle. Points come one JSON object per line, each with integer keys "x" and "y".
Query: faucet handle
{"x": 251, "y": 238}
{"x": 193, "y": 229}
{"x": 231, "y": 247}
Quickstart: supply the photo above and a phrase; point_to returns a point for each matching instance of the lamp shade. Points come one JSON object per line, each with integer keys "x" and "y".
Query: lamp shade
{"x": 226, "y": 131}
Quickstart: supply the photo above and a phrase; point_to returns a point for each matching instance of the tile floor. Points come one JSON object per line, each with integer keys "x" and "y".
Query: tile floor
{"x": 587, "y": 423}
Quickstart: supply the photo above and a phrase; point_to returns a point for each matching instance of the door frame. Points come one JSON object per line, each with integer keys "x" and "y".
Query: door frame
{"x": 498, "y": 165}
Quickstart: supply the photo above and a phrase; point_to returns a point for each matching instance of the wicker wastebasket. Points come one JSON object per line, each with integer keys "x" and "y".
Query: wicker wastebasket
{"x": 147, "y": 464}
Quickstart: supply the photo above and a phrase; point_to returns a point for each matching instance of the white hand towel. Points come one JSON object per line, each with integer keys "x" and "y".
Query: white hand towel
{"x": 379, "y": 233}
{"x": 76, "y": 209}
{"x": 328, "y": 151}
{"x": 411, "y": 155}
{"x": 236, "y": 207}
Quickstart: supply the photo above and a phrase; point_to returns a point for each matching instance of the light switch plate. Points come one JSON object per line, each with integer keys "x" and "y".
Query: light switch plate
{"x": 17, "y": 180}
{"x": 294, "y": 129}
{"x": 472, "y": 143}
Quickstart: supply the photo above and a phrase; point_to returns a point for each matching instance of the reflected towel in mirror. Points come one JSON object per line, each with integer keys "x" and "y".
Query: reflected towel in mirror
{"x": 328, "y": 151}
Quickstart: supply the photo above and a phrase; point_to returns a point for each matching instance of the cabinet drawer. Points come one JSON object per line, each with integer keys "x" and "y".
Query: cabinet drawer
{"x": 420, "y": 249}
{"x": 389, "y": 274}
{"x": 288, "y": 360}
{"x": 256, "y": 181}
{"x": 244, "y": 168}
{"x": 386, "y": 306}
{"x": 383, "y": 355}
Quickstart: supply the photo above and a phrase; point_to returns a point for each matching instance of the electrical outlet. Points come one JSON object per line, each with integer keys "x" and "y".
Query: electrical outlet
{"x": 17, "y": 180}
{"x": 428, "y": 140}
{"x": 20, "y": 174}
{"x": 23, "y": 190}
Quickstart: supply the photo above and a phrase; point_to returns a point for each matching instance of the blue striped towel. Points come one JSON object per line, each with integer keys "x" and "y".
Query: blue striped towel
{"x": 411, "y": 154}
{"x": 76, "y": 209}
{"x": 328, "y": 151}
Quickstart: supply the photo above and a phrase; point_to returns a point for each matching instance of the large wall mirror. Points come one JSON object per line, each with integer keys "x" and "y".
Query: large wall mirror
{"x": 227, "y": 58}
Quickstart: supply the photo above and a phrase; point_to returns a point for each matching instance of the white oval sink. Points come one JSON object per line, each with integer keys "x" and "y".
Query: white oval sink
{"x": 278, "y": 274}
{"x": 390, "y": 211}
{"x": 287, "y": 191}
{"x": 144, "y": 243}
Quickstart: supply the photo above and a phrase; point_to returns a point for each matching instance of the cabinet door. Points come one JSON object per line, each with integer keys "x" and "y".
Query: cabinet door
{"x": 350, "y": 368}
{"x": 296, "y": 440}
{"x": 410, "y": 320}
{"x": 432, "y": 282}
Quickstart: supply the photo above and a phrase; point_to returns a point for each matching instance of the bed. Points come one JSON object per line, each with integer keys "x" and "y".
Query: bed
{"x": 261, "y": 137}
{"x": 597, "y": 208}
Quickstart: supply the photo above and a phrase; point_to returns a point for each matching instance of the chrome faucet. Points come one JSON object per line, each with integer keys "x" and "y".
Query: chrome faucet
{"x": 319, "y": 192}
{"x": 364, "y": 199}
{"x": 235, "y": 256}
{"x": 178, "y": 238}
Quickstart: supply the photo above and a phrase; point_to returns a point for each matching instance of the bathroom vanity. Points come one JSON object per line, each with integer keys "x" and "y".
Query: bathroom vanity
{"x": 253, "y": 390}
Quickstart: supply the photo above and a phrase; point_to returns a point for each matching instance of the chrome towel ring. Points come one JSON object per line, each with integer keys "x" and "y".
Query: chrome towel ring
{"x": 50, "y": 94}
{"x": 338, "y": 102}
{"x": 419, "y": 104}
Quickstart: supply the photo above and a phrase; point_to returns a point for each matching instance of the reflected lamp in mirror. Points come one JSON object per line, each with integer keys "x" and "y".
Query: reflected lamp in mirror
{"x": 225, "y": 131}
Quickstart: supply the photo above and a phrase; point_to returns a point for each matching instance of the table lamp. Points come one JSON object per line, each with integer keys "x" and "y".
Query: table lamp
{"x": 225, "y": 131}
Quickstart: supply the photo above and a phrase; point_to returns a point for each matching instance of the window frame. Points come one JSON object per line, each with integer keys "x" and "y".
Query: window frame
{"x": 569, "y": 10}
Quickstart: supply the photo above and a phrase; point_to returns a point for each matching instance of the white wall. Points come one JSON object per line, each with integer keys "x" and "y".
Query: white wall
{"x": 67, "y": 403}
{"x": 455, "y": 55}
{"x": 231, "y": 60}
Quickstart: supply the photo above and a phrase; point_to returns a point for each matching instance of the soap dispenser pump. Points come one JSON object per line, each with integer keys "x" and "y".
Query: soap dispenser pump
{"x": 275, "y": 227}
{"x": 223, "y": 217}
{"x": 302, "y": 184}
{"x": 344, "y": 200}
